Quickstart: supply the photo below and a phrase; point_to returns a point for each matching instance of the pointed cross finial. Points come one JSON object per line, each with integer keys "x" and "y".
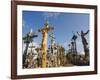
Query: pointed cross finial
{"x": 46, "y": 27}
{"x": 46, "y": 23}
{"x": 31, "y": 30}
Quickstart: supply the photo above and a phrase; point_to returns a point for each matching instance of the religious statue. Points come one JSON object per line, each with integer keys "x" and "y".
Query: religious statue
{"x": 84, "y": 41}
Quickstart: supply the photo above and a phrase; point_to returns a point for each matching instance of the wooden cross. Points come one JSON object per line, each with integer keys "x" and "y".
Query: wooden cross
{"x": 27, "y": 39}
{"x": 44, "y": 31}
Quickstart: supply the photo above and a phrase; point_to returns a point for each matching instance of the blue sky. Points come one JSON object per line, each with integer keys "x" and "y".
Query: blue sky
{"x": 64, "y": 25}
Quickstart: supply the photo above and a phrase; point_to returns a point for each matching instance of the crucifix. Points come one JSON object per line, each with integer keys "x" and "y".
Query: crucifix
{"x": 74, "y": 48}
{"x": 84, "y": 42}
{"x": 44, "y": 31}
{"x": 27, "y": 39}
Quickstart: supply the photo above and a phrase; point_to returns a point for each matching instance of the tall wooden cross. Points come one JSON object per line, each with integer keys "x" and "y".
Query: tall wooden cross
{"x": 44, "y": 31}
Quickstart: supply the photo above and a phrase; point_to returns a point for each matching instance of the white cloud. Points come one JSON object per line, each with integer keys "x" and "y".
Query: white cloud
{"x": 50, "y": 15}
{"x": 23, "y": 23}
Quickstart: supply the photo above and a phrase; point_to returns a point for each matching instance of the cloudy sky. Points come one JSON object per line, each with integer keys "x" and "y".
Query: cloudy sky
{"x": 65, "y": 24}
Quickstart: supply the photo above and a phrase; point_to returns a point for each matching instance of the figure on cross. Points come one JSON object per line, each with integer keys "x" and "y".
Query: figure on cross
{"x": 84, "y": 41}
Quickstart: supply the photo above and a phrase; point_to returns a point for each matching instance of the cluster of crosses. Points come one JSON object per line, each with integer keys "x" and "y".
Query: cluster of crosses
{"x": 29, "y": 38}
{"x": 31, "y": 35}
{"x": 73, "y": 47}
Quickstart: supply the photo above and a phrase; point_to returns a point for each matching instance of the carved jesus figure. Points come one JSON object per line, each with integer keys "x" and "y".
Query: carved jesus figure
{"x": 84, "y": 41}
